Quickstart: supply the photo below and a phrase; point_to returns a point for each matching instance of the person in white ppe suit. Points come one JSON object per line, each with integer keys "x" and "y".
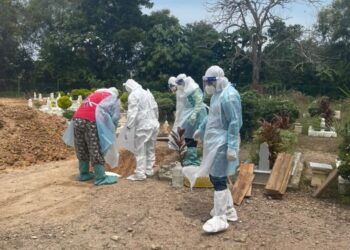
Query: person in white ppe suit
{"x": 221, "y": 146}
{"x": 142, "y": 118}
{"x": 190, "y": 113}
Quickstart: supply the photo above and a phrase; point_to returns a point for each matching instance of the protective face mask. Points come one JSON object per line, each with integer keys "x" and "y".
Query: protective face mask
{"x": 180, "y": 87}
{"x": 210, "y": 90}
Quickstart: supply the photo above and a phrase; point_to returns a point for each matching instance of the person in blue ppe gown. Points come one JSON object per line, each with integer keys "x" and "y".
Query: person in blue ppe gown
{"x": 221, "y": 140}
{"x": 190, "y": 113}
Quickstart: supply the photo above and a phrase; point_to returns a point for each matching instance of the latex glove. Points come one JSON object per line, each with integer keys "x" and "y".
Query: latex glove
{"x": 197, "y": 135}
{"x": 231, "y": 154}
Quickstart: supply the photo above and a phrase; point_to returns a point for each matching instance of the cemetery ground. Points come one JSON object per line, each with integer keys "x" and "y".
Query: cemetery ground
{"x": 42, "y": 206}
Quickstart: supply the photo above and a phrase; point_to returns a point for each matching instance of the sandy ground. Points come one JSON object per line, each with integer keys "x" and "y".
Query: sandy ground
{"x": 45, "y": 207}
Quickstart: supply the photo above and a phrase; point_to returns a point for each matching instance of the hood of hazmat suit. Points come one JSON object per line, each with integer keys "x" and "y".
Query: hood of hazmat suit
{"x": 190, "y": 108}
{"x": 142, "y": 115}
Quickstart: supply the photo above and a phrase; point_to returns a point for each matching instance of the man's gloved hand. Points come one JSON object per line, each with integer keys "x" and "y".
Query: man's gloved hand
{"x": 197, "y": 135}
{"x": 231, "y": 154}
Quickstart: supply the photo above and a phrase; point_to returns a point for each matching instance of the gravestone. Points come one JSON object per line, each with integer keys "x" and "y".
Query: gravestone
{"x": 337, "y": 114}
{"x": 80, "y": 99}
{"x": 40, "y": 97}
{"x": 48, "y": 104}
{"x": 323, "y": 124}
{"x": 35, "y": 96}
{"x": 30, "y": 103}
{"x": 52, "y": 96}
{"x": 264, "y": 154}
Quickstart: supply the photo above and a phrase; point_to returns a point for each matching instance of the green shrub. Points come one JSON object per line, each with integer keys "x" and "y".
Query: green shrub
{"x": 344, "y": 170}
{"x": 314, "y": 110}
{"x": 166, "y": 108}
{"x": 83, "y": 92}
{"x": 250, "y": 113}
{"x": 124, "y": 99}
{"x": 271, "y": 107}
{"x": 68, "y": 114}
{"x": 64, "y": 102}
{"x": 256, "y": 106}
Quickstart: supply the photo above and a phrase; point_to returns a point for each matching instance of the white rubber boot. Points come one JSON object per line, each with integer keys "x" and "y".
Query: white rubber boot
{"x": 136, "y": 177}
{"x": 219, "y": 222}
{"x": 231, "y": 213}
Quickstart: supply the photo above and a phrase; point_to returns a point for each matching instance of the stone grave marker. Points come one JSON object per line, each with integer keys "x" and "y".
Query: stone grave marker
{"x": 30, "y": 103}
{"x": 264, "y": 154}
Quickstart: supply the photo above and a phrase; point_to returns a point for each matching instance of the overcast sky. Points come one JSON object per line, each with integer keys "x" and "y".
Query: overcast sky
{"x": 188, "y": 11}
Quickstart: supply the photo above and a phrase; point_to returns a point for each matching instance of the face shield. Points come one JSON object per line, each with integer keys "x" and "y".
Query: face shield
{"x": 209, "y": 84}
{"x": 180, "y": 84}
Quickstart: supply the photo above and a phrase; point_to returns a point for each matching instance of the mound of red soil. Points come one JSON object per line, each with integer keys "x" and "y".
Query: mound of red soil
{"x": 127, "y": 163}
{"x": 28, "y": 136}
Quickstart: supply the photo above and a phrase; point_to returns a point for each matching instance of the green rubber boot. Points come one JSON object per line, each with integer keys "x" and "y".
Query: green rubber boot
{"x": 191, "y": 158}
{"x": 85, "y": 175}
{"x": 101, "y": 177}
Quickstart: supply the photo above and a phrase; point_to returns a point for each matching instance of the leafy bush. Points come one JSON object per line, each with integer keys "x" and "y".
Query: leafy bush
{"x": 326, "y": 111}
{"x": 83, "y": 92}
{"x": 250, "y": 113}
{"x": 279, "y": 140}
{"x": 256, "y": 106}
{"x": 314, "y": 110}
{"x": 124, "y": 99}
{"x": 64, "y": 102}
{"x": 344, "y": 170}
{"x": 166, "y": 108}
{"x": 271, "y": 107}
{"x": 68, "y": 114}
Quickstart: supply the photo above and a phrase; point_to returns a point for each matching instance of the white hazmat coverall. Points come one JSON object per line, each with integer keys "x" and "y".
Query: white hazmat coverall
{"x": 142, "y": 117}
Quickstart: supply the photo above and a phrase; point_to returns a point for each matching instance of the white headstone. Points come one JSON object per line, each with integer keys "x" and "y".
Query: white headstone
{"x": 264, "y": 154}
{"x": 40, "y": 97}
{"x": 30, "y": 103}
{"x": 80, "y": 99}
{"x": 34, "y": 95}
{"x": 337, "y": 114}
{"x": 48, "y": 104}
{"x": 52, "y": 96}
{"x": 323, "y": 123}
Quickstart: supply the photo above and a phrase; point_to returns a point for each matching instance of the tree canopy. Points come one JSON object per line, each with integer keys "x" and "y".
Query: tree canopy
{"x": 52, "y": 45}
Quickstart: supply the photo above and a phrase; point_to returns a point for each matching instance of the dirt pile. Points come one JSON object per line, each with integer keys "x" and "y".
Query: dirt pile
{"x": 127, "y": 163}
{"x": 28, "y": 136}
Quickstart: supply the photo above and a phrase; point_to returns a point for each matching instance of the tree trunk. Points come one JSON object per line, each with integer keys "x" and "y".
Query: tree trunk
{"x": 256, "y": 62}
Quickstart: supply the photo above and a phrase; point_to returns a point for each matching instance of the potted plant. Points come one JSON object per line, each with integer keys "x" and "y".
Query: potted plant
{"x": 344, "y": 166}
{"x": 178, "y": 143}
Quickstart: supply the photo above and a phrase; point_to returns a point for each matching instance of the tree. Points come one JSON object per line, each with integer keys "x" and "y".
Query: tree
{"x": 252, "y": 16}
{"x": 334, "y": 28}
{"x": 14, "y": 59}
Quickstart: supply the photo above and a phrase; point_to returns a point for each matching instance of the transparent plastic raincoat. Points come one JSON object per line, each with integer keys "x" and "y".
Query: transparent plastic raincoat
{"x": 107, "y": 115}
{"x": 221, "y": 132}
{"x": 190, "y": 109}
